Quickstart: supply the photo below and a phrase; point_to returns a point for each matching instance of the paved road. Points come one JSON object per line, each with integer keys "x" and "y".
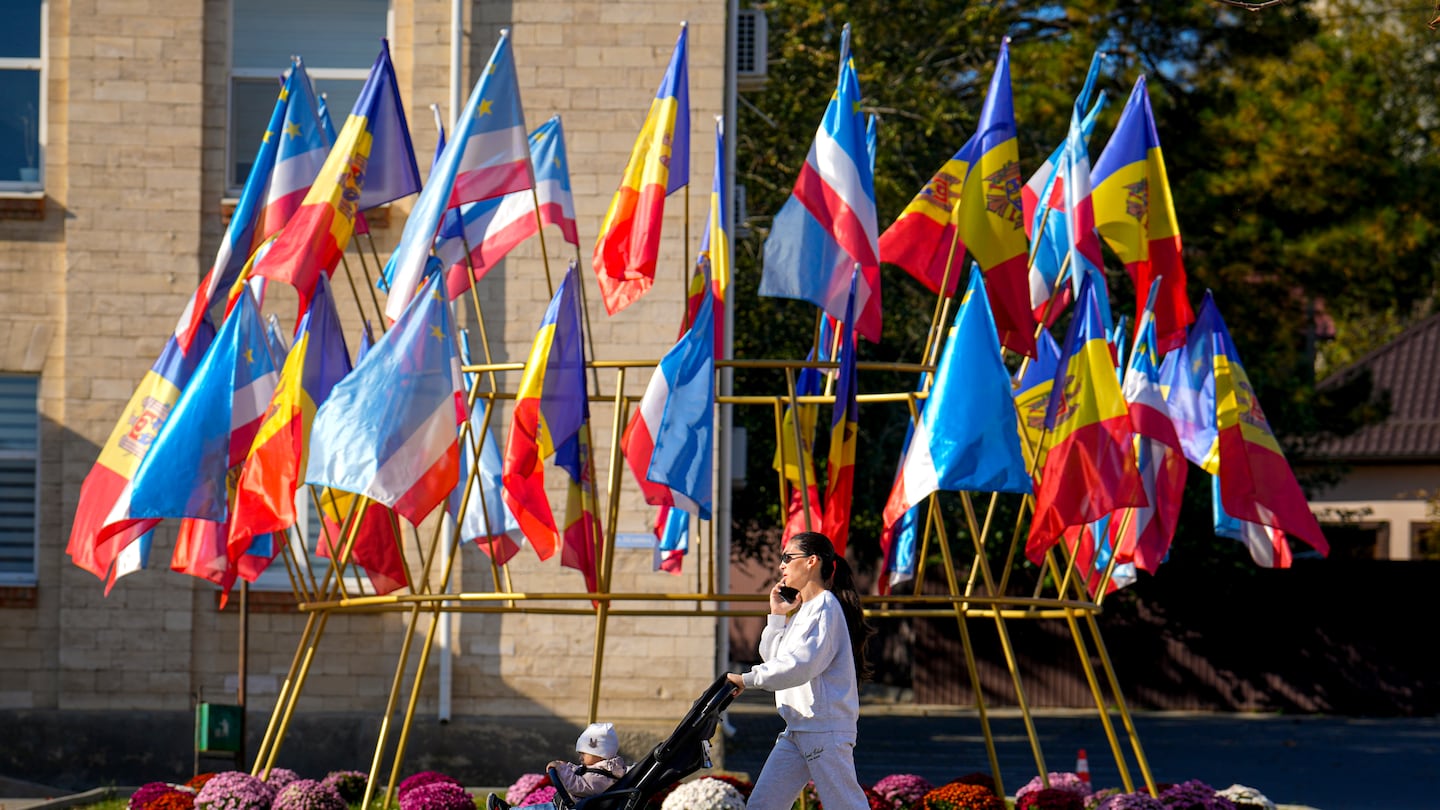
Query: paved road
{"x": 1329, "y": 763}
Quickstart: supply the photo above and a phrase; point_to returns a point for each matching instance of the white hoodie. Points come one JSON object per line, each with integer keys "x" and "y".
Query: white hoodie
{"x": 810, "y": 667}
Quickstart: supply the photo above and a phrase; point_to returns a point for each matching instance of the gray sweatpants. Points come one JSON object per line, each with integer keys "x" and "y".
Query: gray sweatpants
{"x": 826, "y": 758}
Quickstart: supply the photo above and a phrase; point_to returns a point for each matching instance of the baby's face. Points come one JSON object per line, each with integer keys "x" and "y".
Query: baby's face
{"x": 589, "y": 759}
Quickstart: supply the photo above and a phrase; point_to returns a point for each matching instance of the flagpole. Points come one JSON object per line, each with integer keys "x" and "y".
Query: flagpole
{"x": 369, "y": 282}
{"x": 799, "y": 449}
{"x": 479, "y": 315}
{"x": 604, "y": 565}
{"x": 937, "y": 320}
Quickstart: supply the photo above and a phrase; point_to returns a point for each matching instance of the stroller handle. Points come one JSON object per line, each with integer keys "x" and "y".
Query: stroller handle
{"x": 705, "y": 712}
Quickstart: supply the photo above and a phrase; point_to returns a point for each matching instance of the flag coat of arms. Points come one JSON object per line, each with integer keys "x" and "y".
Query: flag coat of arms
{"x": 990, "y": 217}
{"x": 1089, "y": 467}
{"x": 374, "y": 136}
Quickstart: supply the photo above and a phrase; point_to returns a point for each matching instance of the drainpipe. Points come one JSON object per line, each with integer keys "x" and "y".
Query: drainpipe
{"x": 457, "y": 40}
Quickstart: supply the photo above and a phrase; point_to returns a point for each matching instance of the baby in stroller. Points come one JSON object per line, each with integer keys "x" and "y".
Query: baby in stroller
{"x": 684, "y": 752}
{"x": 601, "y": 766}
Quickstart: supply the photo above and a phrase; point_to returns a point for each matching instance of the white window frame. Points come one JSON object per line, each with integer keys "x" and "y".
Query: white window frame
{"x": 30, "y": 578}
{"x": 11, "y": 188}
{"x": 316, "y": 73}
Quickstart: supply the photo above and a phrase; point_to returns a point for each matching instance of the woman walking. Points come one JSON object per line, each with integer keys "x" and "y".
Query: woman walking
{"x": 813, "y": 651}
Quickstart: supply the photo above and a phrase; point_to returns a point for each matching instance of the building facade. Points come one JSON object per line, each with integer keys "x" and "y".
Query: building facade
{"x": 135, "y": 127}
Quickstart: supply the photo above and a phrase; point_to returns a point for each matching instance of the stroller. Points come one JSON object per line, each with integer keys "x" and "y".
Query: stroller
{"x": 684, "y": 752}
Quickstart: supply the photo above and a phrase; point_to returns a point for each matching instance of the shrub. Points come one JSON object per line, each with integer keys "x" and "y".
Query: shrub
{"x": 979, "y": 779}
{"x": 233, "y": 790}
{"x": 349, "y": 784}
{"x": 1194, "y": 795}
{"x": 955, "y": 796}
{"x": 146, "y": 793}
{"x": 1130, "y": 801}
{"x": 198, "y": 780}
{"x": 1050, "y": 799}
{"x": 308, "y": 794}
{"x": 424, "y": 778}
{"x": 524, "y": 786}
{"x": 808, "y": 800}
{"x": 540, "y": 795}
{"x": 173, "y": 800}
{"x": 1062, "y": 780}
{"x": 742, "y": 785}
{"x": 278, "y": 778}
{"x": 437, "y": 795}
{"x": 876, "y": 801}
{"x": 1246, "y": 798}
{"x": 705, "y": 794}
{"x": 904, "y": 790}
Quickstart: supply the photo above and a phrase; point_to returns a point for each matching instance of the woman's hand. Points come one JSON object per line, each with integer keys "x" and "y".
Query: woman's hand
{"x": 778, "y": 605}
{"x": 737, "y": 681}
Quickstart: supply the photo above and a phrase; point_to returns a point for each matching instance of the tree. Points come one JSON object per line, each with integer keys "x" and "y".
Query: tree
{"x": 1299, "y": 140}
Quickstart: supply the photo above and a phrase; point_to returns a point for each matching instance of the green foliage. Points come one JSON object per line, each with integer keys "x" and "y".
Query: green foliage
{"x": 1300, "y": 143}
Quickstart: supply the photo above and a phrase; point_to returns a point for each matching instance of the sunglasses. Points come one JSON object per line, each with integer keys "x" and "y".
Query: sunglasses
{"x": 793, "y": 556}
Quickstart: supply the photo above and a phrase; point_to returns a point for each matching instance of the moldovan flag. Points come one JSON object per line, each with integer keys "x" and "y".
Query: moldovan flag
{"x": 1090, "y": 466}
{"x": 492, "y": 228}
{"x": 372, "y": 159}
{"x": 1143, "y": 534}
{"x": 1032, "y": 396}
{"x": 487, "y": 156}
{"x": 629, "y": 243}
{"x": 829, "y": 223}
{"x": 582, "y": 536}
{"x": 980, "y": 450}
{"x": 844, "y": 432}
{"x": 265, "y": 493}
{"x": 1135, "y": 214}
{"x": 919, "y": 239}
{"x": 1256, "y": 483}
{"x": 550, "y": 407}
{"x": 989, "y": 214}
{"x": 104, "y": 525}
{"x": 388, "y": 431}
{"x": 715, "y": 243}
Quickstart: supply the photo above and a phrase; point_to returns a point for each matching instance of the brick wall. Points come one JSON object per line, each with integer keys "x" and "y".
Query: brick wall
{"x": 134, "y": 181}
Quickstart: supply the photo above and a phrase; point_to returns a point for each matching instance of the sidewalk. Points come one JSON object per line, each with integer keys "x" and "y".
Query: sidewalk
{"x": 1329, "y": 763}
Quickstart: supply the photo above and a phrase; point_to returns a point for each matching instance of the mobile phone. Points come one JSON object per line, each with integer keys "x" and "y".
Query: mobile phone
{"x": 788, "y": 593}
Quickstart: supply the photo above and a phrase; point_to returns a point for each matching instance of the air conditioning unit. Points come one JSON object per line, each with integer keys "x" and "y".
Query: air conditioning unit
{"x": 750, "y": 49}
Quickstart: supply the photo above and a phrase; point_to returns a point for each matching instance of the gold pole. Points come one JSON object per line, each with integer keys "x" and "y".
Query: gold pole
{"x": 369, "y": 282}
{"x": 414, "y": 701}
{"x": 1094, "y": 684}
{"x": 281, "y": 698}
{"x": 294, "y": 696}
{"x": 389, "y": 710}
{"x": 799, "y": 449}
{"x": 960, "y": 611}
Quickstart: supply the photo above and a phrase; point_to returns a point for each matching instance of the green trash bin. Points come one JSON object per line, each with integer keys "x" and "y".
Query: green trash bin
{"x": 217, "y": 728}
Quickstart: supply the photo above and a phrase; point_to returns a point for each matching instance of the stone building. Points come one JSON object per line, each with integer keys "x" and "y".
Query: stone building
{"x": 127, "y": 136}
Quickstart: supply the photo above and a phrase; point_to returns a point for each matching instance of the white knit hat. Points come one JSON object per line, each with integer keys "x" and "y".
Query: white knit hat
{"x": 598, "y": 739}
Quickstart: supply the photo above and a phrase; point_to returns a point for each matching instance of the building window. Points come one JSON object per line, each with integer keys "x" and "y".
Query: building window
{"x": 22, "y": 85}
{"x": 1425, "y": 541}
{"x": 338, "y": 39}
{"x": 19, "y": 476}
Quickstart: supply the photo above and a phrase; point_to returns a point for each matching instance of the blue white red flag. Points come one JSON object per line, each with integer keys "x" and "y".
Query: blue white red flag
{"x": 829, "y": 223}
{"x": 388, "y": 431}
{"x": 487, "y": 156}
{"x": 492, "y": 228}
{"x": 685, "y": 437}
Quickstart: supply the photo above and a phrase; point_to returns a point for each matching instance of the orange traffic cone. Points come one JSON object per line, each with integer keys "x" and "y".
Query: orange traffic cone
{"x": 1082, "y": 766}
